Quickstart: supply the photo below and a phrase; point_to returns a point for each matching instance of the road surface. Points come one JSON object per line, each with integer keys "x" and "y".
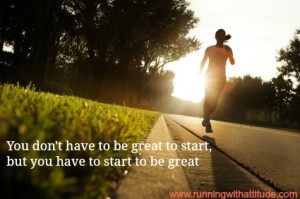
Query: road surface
{"x": 271, "y": 155}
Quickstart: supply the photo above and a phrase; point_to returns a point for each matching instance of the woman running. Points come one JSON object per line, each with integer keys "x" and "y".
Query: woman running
{"x": 215, "y": 75}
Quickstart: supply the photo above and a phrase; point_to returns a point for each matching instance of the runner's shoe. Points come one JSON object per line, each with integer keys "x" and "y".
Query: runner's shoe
{"x": 208, "y": 128}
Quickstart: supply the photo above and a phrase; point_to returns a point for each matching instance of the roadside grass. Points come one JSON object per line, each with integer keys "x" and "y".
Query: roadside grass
{"x": 27, "y": 116}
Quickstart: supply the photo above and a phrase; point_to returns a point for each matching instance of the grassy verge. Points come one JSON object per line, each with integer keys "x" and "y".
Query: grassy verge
{"x": 27, "y": 116}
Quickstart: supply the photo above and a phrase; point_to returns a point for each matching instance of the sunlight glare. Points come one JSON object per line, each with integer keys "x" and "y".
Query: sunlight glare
{"x": 189, "y": 87}
{"x": 188, "y": 84}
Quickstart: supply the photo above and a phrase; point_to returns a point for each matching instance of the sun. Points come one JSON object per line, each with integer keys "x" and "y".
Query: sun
{"x": 189, "y": 87}
{"x": 188, "y": 84}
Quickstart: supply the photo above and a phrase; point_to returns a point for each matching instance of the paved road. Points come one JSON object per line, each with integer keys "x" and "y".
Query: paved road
{"x": 213, "y": 172}
{"x": 272, "y": 155}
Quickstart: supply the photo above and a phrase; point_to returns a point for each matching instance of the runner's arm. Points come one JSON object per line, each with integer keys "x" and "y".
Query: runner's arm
{"x": 231, "y": 59}
{"x": 230, "y": 55}
{"x": 204, "y": 59}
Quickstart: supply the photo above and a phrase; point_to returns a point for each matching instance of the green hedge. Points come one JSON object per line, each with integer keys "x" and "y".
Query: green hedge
{"x": 27, "y": 116}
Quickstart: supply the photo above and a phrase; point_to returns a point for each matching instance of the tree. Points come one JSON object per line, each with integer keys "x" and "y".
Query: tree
{"x": 247, "y": 94}
{"x": 125, "y": 39}
{"x": 246, "y": 99}
{"x": 78, "y": 43}
{"x": 290, "y": 57}
{"x": 29, "y": 27}
{"x": 283, "y": 88}
{"x": 45, "y": 19}
{"x": 270, "y": 101}
{"x": 293, "y": 110}
{"x": 125, "y": 34}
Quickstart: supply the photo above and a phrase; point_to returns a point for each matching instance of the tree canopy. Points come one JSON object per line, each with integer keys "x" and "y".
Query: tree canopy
{"x": 290, "y": 57}
{"x": 75, "y": 45}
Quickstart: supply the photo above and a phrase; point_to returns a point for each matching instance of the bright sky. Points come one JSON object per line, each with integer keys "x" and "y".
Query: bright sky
{"x": 259, "y": 28}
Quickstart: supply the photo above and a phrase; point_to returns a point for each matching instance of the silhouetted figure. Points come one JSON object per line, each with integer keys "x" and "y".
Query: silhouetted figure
{"x": 215, "y": 76}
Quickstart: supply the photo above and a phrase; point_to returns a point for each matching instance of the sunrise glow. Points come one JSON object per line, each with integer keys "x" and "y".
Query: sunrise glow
{"x": 258, "y": 32}
{"x": 188, "y": 83}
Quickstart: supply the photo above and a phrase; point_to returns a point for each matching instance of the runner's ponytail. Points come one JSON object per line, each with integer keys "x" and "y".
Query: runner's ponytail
{"x": 227, "y": 37}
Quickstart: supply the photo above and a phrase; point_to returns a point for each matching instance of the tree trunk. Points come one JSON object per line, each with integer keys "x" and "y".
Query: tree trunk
{"x": 45, "y": 28}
